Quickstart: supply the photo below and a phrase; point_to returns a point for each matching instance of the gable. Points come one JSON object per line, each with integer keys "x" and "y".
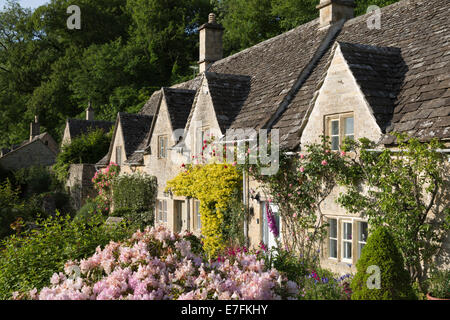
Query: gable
{"x": 340, "y": 93}
{"x": 118, "y": 141}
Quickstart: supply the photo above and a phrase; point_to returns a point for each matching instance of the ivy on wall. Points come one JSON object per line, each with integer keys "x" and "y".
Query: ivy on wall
{"x": 215, "y": 185}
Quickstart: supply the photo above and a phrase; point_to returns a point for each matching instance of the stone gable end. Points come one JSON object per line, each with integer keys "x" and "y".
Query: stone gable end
{"x": 340, "y": 94}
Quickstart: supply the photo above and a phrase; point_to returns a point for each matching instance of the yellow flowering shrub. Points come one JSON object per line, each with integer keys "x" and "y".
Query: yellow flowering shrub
{"x": 214, "y": 185}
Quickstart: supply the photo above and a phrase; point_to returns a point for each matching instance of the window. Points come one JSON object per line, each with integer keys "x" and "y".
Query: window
{"x": 197, "y": 214}
{"x": 162, "y": 211}
{"x": 347, "y": 241}
{"x": 338, "y": 128}
{"x": 119, "y": 155}
{"x": 333, "y": 239}
{"x": 162, "y": 147}
{"x": 362, "y": 236}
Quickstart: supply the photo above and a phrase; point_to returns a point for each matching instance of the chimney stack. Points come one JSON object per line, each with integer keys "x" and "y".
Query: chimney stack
{"x": 211, "y": 48}
{"x": 332, "y": 11}
{"x": 89, "y": 112}
{"x": 35, "y": 128}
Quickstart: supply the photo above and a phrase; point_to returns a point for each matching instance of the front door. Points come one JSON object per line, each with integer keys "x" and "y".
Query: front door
{"x": 178, "y": 216}
{"x": 267, "y": 236}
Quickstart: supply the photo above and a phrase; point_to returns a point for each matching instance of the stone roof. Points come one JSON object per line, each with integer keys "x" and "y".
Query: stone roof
{"x": 379, "y": 72}
{"x": 134, "y": 129}
{"x": 152, "y": 104}
{"x": 179, "y": 99}
{"x": 420, "y": 30}
{"x": 402, "y": 68}
{"x": 179, "y": 104}
{"x": 78, "y": 127}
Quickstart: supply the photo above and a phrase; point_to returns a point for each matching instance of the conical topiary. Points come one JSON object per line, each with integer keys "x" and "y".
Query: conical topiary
{"x": 395, "y": 282}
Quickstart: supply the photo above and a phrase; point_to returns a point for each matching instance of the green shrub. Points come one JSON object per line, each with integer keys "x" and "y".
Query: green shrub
{"x": 134, "y": 194}
{"x": 381, "y": 251}
{"x": 140, "y": 219}
{"x": 88, "y": 209}
{"x": 36, "y": 180}
{"x": 29, "y": 260}
{"x": 439, "y": 284}
{"x": 11, "y": 208}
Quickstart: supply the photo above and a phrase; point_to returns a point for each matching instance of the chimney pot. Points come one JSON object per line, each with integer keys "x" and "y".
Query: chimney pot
{"x": 211, "y": 48}
{"x": 212, "y": 18}
{"x": 332, "y": 11}
{"x": 89, "y": 112}
{"x": 35, "y": 128}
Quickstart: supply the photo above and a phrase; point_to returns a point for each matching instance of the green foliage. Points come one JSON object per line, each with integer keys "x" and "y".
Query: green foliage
{"x": 299, "y": 187}
{"x": 86, "y": 211}
{"x": 140, "y": 219}
{"x": 11, "y": 207}
{"x": 439, "y": 284}
{"x": 405, "y": 190}
{"x": 233, "y": 221}
{"x": 88, "y": 148}
{"x": 134, "y": 191}
{"x": 382, "y": 252}
{"x": 29, "y": 260}
{"x": 36, "y": 180}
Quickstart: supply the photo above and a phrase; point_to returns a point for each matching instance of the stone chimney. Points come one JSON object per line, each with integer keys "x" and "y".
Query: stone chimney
{"x": 35, "y": 128}
{"x": 89, "y": 112}
{"x": 332, "y": 11}
{"x": 211, "y": 48}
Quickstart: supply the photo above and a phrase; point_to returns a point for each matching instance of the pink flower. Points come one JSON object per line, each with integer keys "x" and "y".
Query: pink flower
{"x": 324, "y": 162}
{"x": 343, "y": 153}
{"x": 302, "y": 156}
{"x": 302, "y": 169}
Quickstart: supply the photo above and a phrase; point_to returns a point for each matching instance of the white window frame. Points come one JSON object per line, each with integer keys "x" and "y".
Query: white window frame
{"x": 361, "y": 242}
{"x": 197, "y": 214}
{"x": 162, "y": 211}
{"x": 341, "y": 120}
{"x": 344, "y": 241}
{"x": 162, "y": 146}
{"x": 119, "y": 155}
{"x": 330, "y": 238}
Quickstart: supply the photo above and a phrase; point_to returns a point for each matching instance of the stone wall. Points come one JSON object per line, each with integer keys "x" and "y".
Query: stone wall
{"x": 79, "y": 184}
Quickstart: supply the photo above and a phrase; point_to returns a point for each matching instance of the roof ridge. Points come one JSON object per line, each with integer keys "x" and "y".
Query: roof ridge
{"x": 265, "y": 42}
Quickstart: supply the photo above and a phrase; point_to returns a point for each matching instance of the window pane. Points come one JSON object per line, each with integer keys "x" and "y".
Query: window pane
{"x": 335, "y": 127}
{"x": 335, "y": 143}
{"x": 361, "y": 246}
{"x": 347, "y": 250}
{"x": 333, "y": 248}
{"x": 349, "y": 130}
{"x": 333, "y": 228}
{"x": 347, "y": 231}
{"x": 363, "y": 231}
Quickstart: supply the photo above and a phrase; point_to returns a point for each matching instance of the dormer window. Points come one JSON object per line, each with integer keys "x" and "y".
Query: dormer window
{"x": 338, "y": 128}
{"x": 162, "y": 146}
{"x": 119, "y": 155}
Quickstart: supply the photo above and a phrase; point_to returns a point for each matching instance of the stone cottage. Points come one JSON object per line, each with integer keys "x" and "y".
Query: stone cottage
{"x": 39, "y": 150}
{"x": 77, "y": 127}
{"x": 336, "y": 75}
{"x": 79, "y": 181}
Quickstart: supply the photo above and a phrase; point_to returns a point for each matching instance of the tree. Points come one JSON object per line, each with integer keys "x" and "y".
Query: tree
{"x": 381, "y": 258}
{"x": 88, "y": 148}
{"x": 406, "y": 190}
